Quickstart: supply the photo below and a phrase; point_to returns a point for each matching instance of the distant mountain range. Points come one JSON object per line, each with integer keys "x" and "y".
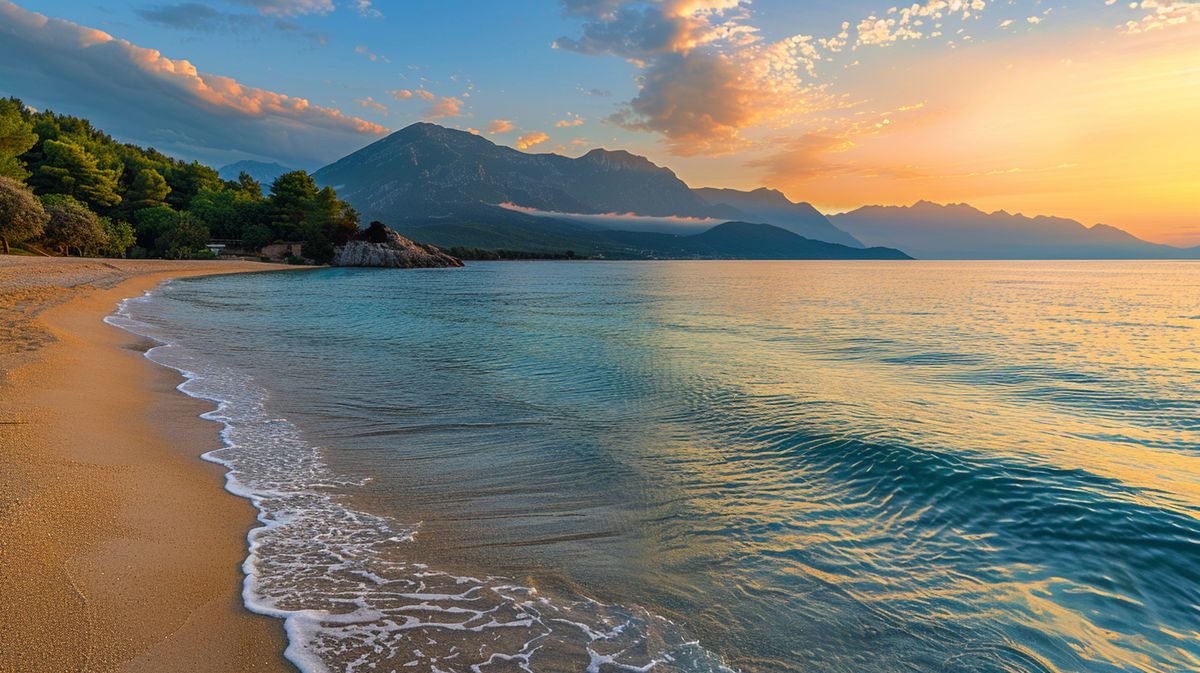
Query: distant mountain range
{"x": 262, "y": 171}
{"x": 959, "y": 231}
{"x": 458, "y": 189}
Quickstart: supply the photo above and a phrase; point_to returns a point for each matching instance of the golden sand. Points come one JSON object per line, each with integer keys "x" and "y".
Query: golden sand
{"x": 119, "y": 548}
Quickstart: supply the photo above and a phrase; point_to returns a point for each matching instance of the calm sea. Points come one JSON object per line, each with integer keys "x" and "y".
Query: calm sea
{"x": 710, "y": 466}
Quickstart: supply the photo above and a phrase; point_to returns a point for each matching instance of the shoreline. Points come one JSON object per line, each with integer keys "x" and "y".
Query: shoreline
{"x": 121, "y": 549}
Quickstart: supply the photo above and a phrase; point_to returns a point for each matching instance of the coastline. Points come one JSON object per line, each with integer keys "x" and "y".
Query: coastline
{"x": 120, "y": 548}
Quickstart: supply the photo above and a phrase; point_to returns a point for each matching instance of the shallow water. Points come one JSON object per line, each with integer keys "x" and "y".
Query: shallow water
{"x": 695, "y": 465}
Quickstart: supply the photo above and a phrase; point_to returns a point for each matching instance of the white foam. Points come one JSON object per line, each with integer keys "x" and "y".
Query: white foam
{"x": 340, "y": 580}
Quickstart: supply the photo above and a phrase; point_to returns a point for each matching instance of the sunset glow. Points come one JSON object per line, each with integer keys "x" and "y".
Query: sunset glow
{"x": 1084, "y": 110}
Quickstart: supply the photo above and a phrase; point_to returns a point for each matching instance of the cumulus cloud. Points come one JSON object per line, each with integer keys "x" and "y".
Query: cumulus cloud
{"x": 915, "y": 22}
{"x": 706, "y": 74}
{"x": 401, "y": 94}
{"x": 570, "y": 121}
{"x": 1162, "y": 14}
{"x": 499, "y": 126}
{"x": 143, "y": 96}
{"x": 528, "y": 140}
{"x": 446, "y": 106}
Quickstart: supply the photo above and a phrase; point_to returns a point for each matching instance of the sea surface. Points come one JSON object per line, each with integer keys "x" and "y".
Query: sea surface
{"x": 711, "y": 466}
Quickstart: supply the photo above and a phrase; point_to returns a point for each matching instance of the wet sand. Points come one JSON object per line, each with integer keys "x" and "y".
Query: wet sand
{"x": 119, "y": 548}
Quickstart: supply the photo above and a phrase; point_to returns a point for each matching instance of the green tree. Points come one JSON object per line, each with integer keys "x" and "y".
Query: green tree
{"x": 150, "y": 223}
{"x": 258, "y": 235}
{"x": 228, "y": 213}
{"x": 246, "y": 183}
{"x": 16, "y": 138}
{"x": 68, "y": 168}
{"x": 292, "y": 195}
{"x": 328, "y": 222}
{"x": 72, "y": 225}
{"x": 182, "y": 240}
{"x": 187, "y": 180}
{"x": 149, "y": 189}
{"x": 118, "y": 237}
{"x": 21, "y": 214}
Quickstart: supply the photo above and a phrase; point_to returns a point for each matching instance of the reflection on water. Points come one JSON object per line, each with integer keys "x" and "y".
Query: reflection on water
{"x": 805, "y": 466}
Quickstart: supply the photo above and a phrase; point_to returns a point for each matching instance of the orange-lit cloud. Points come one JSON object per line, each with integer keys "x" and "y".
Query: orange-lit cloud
{"x": 498, "y": 126}
{"x": 1098, "y": 128}
{"x": 569, "y": 122}
{"x": 55, "y": 58}
{"x": 528, "y": 140}
{"x": 446, "y": 106}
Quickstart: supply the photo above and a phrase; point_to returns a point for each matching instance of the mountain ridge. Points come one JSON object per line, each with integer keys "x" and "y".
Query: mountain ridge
{"x": 930, "y": 230}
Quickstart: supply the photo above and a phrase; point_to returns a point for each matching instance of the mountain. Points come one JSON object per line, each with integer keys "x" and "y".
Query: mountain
{"x": 769, "y": 205}
{"x": 959, "y": 231}
{"x": 745, "y": 240}
{"x": 491, "y": 228}
{"x": 262, "y": 171}
{"x": 426, "y": 169}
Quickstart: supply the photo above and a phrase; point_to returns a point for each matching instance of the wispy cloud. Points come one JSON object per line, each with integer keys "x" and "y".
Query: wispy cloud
{"x": 371, "y": 56}
{"x": 202, "y": 18}
{"x": 289, "y": 7}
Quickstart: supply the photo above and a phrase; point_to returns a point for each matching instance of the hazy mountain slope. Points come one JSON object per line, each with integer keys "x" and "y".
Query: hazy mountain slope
{"x": 744, "y": 240}
{"x": 958, "y": 231}
{"x": 490, "y": 228}
{"x": 427, "y": 169}
{"x": 771, "y": 206}
{"x": 480, "y": 226}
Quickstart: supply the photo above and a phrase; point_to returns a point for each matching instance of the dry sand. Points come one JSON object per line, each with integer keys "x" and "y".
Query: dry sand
{"x": 119, "y": 548}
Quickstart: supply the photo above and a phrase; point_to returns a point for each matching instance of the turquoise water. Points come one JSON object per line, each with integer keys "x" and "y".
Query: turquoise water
{"x": 702, "y": 466}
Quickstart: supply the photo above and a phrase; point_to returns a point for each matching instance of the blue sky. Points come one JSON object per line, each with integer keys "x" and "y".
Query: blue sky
{"x": 832, "y": 102}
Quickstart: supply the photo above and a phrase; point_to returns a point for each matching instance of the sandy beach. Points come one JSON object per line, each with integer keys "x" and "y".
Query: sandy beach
{"x": 119, "y": 548}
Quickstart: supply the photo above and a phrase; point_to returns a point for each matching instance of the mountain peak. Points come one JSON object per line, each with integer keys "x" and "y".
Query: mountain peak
{"x": 620, "y": 159}
{"x": 436, "y": 133}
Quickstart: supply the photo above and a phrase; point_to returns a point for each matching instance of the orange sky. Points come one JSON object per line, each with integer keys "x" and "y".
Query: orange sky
{"x": 1096, "y": 125}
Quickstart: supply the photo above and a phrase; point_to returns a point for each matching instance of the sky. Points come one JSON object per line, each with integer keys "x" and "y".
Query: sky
{"x": 1087, "y": 109}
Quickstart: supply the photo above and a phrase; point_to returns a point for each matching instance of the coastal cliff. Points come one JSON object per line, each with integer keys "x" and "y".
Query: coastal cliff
{"x": 380, "y": 246}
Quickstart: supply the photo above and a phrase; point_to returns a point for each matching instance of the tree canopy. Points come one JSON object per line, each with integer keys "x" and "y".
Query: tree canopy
{"x": 72, "y": 225}
{"x": 146, "y": 203}
{"x": 21, "y": 214}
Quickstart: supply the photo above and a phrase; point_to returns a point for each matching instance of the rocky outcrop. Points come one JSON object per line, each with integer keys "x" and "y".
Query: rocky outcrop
{"x": 380, "y": 246}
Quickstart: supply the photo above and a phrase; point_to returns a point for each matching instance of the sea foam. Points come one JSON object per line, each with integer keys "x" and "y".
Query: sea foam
{"x": 341, "y": 579}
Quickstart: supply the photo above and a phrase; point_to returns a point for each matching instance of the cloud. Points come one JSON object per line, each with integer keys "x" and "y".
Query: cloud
{"x": 528, "y": 140}
{"x": 186, "y": 16}
{"x": 1166, "y": 13}
{"x": 569, "y": 122}
{"x": 141, "y": 95}
{"x": 201, "y": 18}
{"x": 446, "y": 106}
{"x": 426, "y": 95}
{"x": 915, "y": 22}
{"x": 499, "y": 126}
{"x": 401, "y": 94}
{"x": 370, "y": 102}
{"x": 372, "y": 56}
{"x": 706, "y": 74}
{"x": 288, "y": 7}
{"x": 365, "y": 9}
